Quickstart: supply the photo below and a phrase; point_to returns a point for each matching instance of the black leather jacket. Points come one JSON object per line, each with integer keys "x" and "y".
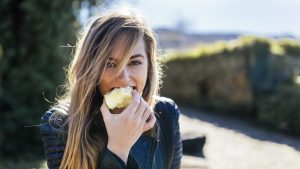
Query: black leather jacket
{"x": 161, "y": 152}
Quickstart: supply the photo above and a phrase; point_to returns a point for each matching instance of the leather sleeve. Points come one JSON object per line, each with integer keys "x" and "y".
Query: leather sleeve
{"x": 54, "y": 141}
{"x": 169, "y": 120}
{"x": 176, "y": 160}
{"x": 110, "y": 160}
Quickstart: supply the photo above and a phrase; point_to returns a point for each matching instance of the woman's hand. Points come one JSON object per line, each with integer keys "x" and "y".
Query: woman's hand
{"x": 125, "y": 128}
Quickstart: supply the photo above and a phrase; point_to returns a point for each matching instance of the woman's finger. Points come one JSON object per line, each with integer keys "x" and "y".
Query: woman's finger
{"x": 146, "y": 114}
{"x": 141, "y": 109}
{"x": 134, "y": 104}
{"x": 105, "y": 111}
{"x": 148, "y": 125}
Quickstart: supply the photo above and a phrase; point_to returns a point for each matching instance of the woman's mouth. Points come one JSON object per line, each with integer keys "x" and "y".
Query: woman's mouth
{"x": 133, "y": 87}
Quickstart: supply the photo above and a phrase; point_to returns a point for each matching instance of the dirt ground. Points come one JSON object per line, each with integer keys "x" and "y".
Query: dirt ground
{"x": 236, "y": 144}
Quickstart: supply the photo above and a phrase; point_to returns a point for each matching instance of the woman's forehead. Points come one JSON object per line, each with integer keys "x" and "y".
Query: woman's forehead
{"x": 122, "y": 49}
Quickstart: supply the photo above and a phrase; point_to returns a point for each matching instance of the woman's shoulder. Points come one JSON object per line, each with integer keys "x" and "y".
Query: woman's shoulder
{"x": 54, "y": 120}
{"x": 166, "y": 107}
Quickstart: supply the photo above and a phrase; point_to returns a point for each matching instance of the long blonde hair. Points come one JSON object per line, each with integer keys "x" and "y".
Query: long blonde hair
{"x": 87, "y": 136}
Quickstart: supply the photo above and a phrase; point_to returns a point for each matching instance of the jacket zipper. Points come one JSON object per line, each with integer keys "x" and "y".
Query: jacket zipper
{"x": 153, "y": 150}
{"x": 155, "y": 142}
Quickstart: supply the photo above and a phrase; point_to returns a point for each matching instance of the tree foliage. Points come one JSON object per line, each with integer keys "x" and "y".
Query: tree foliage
{"x": 32, "y": 58}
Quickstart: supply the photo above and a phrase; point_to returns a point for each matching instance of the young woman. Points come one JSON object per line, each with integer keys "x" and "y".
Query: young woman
{"x": 117, "y": 50}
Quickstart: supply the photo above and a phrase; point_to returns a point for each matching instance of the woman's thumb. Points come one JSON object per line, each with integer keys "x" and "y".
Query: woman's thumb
{"x": 105, "y": 111}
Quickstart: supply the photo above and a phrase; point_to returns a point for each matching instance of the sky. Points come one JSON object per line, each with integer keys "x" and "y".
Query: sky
{"x": 261, "y": 17}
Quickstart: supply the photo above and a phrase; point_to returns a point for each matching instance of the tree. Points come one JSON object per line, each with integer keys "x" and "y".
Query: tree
{"x": 31, "y": 63}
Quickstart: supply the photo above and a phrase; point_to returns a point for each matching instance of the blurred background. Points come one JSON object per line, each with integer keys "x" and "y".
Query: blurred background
{"x": 233, "y": 68}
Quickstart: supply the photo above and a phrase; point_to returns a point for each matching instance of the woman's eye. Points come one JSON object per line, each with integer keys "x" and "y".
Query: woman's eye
{"x": 135, "y": 62}
{"x": 110, "y": 65}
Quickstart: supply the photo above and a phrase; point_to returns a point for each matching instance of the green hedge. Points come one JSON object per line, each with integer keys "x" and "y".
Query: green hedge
{"x": 237, "y": 77}
{"x": 281, "y": 109}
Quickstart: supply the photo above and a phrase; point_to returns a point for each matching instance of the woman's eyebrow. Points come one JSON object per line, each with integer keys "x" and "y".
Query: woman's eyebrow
{"x": 113, "y": 59}
{"x": 136, "y": 56}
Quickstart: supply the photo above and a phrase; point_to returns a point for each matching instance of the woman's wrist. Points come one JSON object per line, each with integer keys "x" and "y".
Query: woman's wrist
{"x": 121, "y": 153}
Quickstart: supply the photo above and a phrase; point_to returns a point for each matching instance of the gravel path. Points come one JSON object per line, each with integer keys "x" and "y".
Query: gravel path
{"x": 235, "y": 144}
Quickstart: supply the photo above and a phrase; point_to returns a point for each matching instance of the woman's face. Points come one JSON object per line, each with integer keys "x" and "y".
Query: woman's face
{"x": 133, "y": 74}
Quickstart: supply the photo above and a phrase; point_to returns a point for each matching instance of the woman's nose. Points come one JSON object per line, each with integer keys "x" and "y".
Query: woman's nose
{"x": 124, "y": 77}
